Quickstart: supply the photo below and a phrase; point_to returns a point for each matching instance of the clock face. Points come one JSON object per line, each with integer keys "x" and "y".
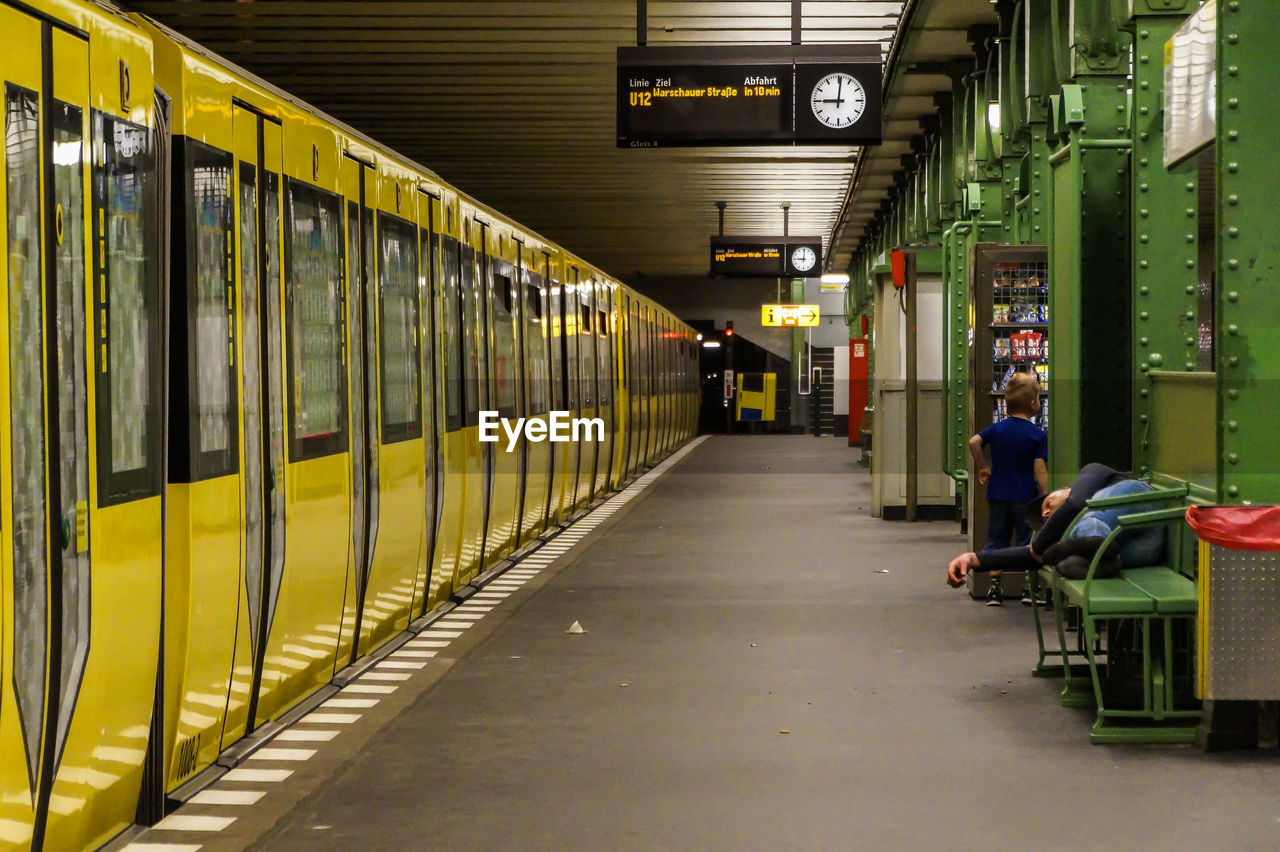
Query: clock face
{"x": 803, "y": 259}
{"x": 838, "y": 100}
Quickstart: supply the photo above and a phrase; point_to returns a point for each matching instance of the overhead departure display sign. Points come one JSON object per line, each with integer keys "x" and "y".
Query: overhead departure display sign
{"x": 748, "y": 95}
{"x": 789, "y": 316}
{"x": 750, "y": 257}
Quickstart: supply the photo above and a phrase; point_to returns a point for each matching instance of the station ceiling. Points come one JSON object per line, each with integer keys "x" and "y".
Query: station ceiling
{"x": 514, "y": 103}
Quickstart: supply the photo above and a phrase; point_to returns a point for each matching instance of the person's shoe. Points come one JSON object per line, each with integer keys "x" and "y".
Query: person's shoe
{"x": 1027, "y": 599}
{"x": 995, "y": 594}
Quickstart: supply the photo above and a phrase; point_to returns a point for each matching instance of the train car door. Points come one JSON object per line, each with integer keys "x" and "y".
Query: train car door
{"x": 362, "y": 311}
{"x": 524, "y": 381}
{"x": 573, "y": 331}
{"x": 80, "y": 534}
{"x": 432, "y": 336}
{"x": 588, "y": 450}
{"x": 622, "y": 348}
{"x": 604, "y": 384}
{"x": 487, "y": 377}
{"x": 557, "y": 381}
{"x": 257, "y": 170}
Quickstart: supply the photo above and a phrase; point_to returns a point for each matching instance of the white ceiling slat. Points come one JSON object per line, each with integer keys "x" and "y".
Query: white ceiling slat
{"x": 514, "y": 102}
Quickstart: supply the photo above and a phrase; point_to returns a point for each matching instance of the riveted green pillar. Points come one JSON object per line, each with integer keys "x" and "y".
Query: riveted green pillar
{"x": 1248, "y": 265}
{"x": 1089, "y": 276}
{"x": 1164, "y": 229}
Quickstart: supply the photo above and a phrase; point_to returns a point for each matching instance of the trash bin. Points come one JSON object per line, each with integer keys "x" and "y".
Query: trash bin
{"x": 1239, "y": 601}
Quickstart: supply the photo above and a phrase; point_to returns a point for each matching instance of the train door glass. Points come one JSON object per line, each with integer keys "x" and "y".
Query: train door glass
{"x": 28, "y": 528}
{"x": 73, "y": 403}
{"x": 261, "y": 369}
{"x": 451, "y": 320}
{"x": 555, "y": 367}
{"x": 586, "y": 329}
{"x": 361, "y": 311}
{"x": 587, "y": 456}
{"x": 559, "y": 374}
{"x": 604, "y": 377}
{"x": 251, "y": 370}
{"x": 569, "y": 341}
{"x": 634, "y": 390}
{"x": 369, "y": 400}
{"x": 30, "y": 534}
{"x": 471, "y": 332}
{"x": 536, "y": 343}
{"x": 504, "y": 344}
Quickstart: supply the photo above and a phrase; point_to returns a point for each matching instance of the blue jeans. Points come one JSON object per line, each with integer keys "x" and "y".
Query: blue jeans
{"x": 1137, "y": 547}
{"x": 1006, "y": 518}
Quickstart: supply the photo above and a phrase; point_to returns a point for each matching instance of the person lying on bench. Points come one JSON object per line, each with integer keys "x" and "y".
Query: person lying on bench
{"x": 1054, "y": 512}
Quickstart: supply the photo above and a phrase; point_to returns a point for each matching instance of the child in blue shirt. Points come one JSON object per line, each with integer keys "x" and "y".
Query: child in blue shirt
{"x": 1017, "y": 473}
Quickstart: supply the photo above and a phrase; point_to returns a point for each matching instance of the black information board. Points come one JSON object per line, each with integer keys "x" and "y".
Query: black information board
{"x": 749, "y": 257}
{"x": 748, "y": 95}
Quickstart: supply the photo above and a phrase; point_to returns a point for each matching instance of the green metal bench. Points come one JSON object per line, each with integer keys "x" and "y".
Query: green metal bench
{"x": 1139, "y": 609}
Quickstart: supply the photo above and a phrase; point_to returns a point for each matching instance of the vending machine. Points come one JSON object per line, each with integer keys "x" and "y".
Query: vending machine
{"x": 1009, "y": 294}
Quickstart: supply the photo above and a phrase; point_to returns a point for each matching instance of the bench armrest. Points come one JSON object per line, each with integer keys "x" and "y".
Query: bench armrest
{"x": 1139, "y": 519}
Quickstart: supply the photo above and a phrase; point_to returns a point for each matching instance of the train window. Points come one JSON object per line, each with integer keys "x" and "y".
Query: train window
{"x": 586, "y": 349}
{"x": 315, "y": 322}
{"x": 471, "y": 331}
{"x": 536, "y": 343}
{"x": 555, "y": 335}
{"x": 400, "y": 354}
{"x": 428, "y": 264}
{"x": 128, "y": 343}
{"x": 604, "y": 361}
{"x": 351, "y": 307}
{"x": 569, "y": 340}
{"x": 211, "y": 411}
{"x": 452, "y": 324}
{"x": 505, "y": 364}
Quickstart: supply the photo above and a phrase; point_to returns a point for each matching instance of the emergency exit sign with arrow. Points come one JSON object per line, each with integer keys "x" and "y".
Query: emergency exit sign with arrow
{"x": 791, "y": 316}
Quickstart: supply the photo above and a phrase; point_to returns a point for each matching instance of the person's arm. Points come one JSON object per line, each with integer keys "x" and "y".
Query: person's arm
{"x": 1003, "y": 559}
{"x": 1042, "y": 463}
{"x": 979, "y": 461}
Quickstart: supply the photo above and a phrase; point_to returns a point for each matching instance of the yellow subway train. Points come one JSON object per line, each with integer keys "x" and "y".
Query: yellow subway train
{"x": 247, "y": 354}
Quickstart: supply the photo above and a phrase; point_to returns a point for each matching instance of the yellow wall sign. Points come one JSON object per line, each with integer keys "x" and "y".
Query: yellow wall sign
{"x": 789, "y": 315}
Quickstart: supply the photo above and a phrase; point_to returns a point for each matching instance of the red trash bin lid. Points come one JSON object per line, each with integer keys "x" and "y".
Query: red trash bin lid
{"x": 1237, "y": 527}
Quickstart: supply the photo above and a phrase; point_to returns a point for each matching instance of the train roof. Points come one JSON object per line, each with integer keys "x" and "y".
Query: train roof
{"x": 189, "y": 46}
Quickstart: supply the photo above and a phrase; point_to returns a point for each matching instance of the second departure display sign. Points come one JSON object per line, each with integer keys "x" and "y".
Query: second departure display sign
{"x": 748, "y": 95}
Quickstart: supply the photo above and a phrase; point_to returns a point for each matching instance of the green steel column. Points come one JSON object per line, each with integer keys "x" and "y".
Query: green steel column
{"x": 1247, "y": 326}
{"x": 1164, "y": 226}
{"x": 1089, "y": 276}
{"x": 1013, "y": 135}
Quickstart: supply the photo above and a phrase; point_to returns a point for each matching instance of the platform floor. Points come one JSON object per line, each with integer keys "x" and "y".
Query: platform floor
{"x": 765, "y": 666}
